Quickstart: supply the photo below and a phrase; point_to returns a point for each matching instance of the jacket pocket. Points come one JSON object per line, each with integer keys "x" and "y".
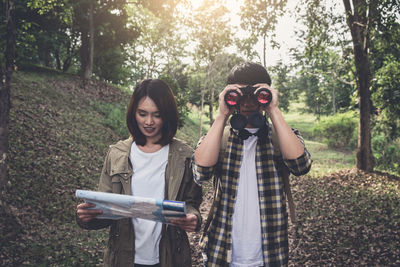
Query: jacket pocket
{"x": 116, "y": 184}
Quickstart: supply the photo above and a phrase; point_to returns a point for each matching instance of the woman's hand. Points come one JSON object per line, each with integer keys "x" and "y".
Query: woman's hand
{"x": 85, "y": 214}
{"x": 189, "y": 223}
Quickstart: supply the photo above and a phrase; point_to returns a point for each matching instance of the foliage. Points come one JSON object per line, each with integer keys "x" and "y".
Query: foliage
{"x": 283, "y": 83}
{"x": 259, "y": 17}
{"x": 111, "y": 32}
{"x": 211, "y": 36}
{"x": 338, "y": 131}
{"x": 324, "y": 62}
{"x": 181, "y": 96}
{"x": 386, "y": 97}
{"x": 48, "y": 35}
{"x": 109, "y": 66}
{"x": 385, "y": 87}
{"x": 208, "y": 30}
{"x": 210, "y": 80}
{"x": 197, "y": 76}
{"x": 370, "y": 25}
{"x": 386, "y": 153}
{"x": 160, "y": 43}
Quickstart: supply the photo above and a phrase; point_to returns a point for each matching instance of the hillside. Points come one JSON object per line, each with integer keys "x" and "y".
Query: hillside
{"x": 57, "y": 144}
{"x": 59, "y": 133}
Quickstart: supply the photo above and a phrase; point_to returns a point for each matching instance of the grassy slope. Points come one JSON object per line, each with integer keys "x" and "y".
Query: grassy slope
{"x": 57, "y": 145}
{"x": 59, "y": 134}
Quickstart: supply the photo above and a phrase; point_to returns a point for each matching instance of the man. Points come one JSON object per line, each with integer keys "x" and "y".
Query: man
{"x": 248, "y": 224}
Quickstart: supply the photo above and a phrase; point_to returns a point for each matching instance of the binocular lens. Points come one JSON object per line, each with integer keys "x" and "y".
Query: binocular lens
{"x": 264, "y": 97}
{"x": 232, "y": 98}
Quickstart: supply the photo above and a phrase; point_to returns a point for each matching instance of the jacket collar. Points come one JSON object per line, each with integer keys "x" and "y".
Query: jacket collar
{"x": 178, "y": 153}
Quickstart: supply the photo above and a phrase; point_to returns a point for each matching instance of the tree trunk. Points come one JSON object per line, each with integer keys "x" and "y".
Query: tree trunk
{"x": 211, "y": 85}
{"x": 201, "y": 112}
{"x": 87, "y": 47}
{"x": 5, "y": 90}
{"x": 357, "y": 20}
{"x": 265, "y": 50}
{"x": 333, "y": 100}
{"x": 210, "y": 109}
{"x": 212, "y": 93}
{"x": 58, "y": 60}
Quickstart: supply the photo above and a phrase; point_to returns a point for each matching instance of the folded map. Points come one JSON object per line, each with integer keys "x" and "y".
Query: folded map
{"x": 117, "y": 206}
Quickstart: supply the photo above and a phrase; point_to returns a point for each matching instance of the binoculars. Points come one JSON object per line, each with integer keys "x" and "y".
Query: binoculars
{"x": 263, "y": 96}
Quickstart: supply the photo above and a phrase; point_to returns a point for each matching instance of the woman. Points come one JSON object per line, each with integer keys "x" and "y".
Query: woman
{"x": 151, "y": 163}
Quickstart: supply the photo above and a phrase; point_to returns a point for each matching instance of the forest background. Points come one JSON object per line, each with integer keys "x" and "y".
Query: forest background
{"x": 63, "y": 61}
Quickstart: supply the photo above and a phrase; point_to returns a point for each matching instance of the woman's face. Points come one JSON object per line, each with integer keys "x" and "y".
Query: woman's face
{"x": 149, "y": 119}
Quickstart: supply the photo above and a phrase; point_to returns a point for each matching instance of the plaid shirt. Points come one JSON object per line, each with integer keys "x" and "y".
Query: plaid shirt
{"x": 217, "y": 241}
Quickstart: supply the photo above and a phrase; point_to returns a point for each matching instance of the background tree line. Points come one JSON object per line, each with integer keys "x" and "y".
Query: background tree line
{"x": 348, "y": 60}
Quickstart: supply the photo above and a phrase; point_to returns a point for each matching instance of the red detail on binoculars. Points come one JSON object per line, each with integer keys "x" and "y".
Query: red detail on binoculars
{"x": 232, "y": 98}
{"x": 263, "y": 97}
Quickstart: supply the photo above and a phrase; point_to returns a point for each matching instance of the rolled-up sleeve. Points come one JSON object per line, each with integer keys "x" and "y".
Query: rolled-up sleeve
{"x": 302, "y": 164}
{"x": 200, "y": 173}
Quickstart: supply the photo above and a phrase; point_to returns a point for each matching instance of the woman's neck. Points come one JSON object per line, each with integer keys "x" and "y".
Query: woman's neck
{"x": 150, "y": 147}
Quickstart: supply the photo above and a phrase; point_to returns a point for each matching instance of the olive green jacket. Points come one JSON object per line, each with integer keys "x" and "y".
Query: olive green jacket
{"x": 179, "y": 185}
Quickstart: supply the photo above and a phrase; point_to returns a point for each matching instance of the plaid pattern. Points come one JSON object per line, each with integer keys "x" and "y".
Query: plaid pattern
{"x": 216, "y": 240}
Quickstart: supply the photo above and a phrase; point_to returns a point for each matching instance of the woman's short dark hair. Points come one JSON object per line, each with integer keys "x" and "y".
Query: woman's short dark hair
{"x": 162, "y": 95}
{"x": 248, "y": 73}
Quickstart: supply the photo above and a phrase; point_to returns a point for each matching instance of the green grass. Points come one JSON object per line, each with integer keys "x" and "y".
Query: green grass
{"x": 190, "y": 132}
{"x": 303, "y": 122}
{"x": 326, "y": 160}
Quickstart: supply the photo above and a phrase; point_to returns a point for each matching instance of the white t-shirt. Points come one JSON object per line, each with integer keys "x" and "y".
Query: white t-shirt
{"x": 246, "y": 227}
{"x": 148, "y": 180}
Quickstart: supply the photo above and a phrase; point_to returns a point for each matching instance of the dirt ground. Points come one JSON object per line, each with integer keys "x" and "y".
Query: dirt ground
{"x": 194, "y": 238}
{"x": 348, "y": 218}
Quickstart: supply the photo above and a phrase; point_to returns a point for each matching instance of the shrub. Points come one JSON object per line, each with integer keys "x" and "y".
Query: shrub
{"x": 386, "y": 153}
{"x": 338, "y": 131}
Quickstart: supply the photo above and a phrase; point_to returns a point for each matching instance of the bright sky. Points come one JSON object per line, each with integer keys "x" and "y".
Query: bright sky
{"x": 285, "y": 31}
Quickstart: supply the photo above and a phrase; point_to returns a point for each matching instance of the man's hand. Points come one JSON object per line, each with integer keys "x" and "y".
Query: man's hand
{"x": 275, "y": 97}
{"x": 223, "y": 107}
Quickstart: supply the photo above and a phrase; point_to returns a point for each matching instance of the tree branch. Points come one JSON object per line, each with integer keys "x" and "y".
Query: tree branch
{"x": 334, "y": 74}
